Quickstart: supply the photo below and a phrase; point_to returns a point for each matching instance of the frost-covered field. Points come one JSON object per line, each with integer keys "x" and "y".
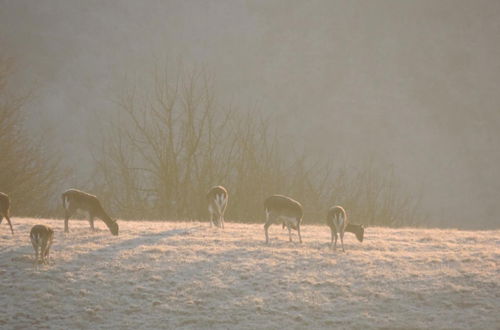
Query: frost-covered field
{"x": 170, "y": 275}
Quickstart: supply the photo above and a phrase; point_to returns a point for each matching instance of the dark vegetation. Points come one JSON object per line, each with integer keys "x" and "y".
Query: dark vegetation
{"x": 30, "y": 171}
{"x": 172, "y": 142}
{"x": 169, "y": 143}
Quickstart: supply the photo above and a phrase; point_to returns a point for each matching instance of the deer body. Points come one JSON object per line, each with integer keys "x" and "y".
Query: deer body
{"x": 74, "y": 199}
{"x": 41, "y": 238}
{"x": 337, "y": 220}
{"x": 4, "y": 209}
{"x": 283, "y": 209}
{"x": 217, "y": 202}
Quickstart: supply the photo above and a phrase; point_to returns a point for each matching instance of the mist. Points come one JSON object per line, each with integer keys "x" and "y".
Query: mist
{"x": 411, "y": 85}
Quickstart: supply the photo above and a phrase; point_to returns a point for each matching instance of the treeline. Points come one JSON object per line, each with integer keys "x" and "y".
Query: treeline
{"x": 30, "y": 171}
{"x": 172, "y": 142}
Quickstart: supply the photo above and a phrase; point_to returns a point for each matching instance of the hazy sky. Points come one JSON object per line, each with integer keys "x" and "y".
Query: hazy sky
{"x": 414, "y": 84}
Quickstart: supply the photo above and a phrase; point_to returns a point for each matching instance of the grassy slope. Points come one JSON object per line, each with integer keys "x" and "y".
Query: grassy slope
{"x": 185, "y": 274}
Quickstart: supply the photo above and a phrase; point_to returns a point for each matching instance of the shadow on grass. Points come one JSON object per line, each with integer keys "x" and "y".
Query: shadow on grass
{"x": 144, "y": 240}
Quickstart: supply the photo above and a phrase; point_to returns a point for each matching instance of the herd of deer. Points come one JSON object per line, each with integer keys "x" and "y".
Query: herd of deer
{"x": 278, "y": 208}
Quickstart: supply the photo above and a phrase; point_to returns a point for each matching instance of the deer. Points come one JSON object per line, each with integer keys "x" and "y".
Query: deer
{"x": 4, "y": 209}
{"x": 217, "y": 202}
{"x": 337, "y": 220}
{"x": 283, "y": 209}
{"x": 74, "y": 200}
{"x": 41, "y": 238}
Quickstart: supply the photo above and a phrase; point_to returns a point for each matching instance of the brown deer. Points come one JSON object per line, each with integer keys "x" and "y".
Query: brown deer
{"x": 283, "y": 209}
{"x": 4, "y": 209}
{"x": 217, "y": 202}
{"x": 337, "y": 220}
{"x": 74, "y": 199}
{"x": 41, "y": 238}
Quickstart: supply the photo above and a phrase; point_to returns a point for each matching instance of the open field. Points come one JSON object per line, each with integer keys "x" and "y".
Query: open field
{"x": 185, "y": 274}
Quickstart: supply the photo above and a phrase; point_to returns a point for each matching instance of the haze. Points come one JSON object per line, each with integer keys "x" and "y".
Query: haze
{"x": 412, "y": 84}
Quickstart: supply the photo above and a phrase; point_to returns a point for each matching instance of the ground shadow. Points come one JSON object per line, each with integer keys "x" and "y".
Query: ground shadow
{"x": 144, "y": 240}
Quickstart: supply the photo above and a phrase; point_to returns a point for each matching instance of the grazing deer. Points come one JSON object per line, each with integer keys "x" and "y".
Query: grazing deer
{"x": 358, "y": 230}
{"x": 283, "y": 209}
{"x": 74, "y": 199}
{"x": 337, "y": 220}
{"x": 217, "y": 202}
{"x": 4, "y": 210}
{"x": 41, "y": 238}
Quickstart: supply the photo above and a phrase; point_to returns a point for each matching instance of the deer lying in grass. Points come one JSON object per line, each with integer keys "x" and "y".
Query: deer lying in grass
{"x": 74, "y": 199}
{"x": 337, "y": 220}
{"x": 41, "y": 238}
{"x": 4, "y": 210}
{"x": 283, "y": 209}
{"x": 217, "y": 202}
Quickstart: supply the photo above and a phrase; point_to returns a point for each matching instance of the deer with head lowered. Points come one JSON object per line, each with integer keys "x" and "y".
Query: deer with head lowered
{"x": 74, "y": 200}
{"x": 4, "y": 210}
{"x": 283, "y": 209}
{"x": 41, "y": 238}
{"x": 217, "y": 202}
{"x": 337, "y": 220}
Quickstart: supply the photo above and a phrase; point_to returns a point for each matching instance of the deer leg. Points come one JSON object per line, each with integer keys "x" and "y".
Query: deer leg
{"x": 219, "y": 225}
{"x": 1, "y": 218}
{"x": 342, "y": 239}
{"x": 336, "y": 237}
{"x": 66, "y": 220}
{"x": 289, "y": 232}
{"x": 217, "y": 220}
{"x": 43, "y": 250}
{"x": 10, "y": 224}
{"x": 47, "y": 250}
{"x": 269, "y": 220}
{"x": 298, "y": 230}
{"x": 68, "y": 213}
{"x": 91, "y": 221}
{"x": 223, "y": 209}
{"x": 35, "y": 247}
{"x": 266, "y": 229}
{"x": 211, "y": 213}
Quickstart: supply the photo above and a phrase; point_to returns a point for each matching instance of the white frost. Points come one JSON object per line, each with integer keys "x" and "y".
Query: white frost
{"x": 184, "y": 274}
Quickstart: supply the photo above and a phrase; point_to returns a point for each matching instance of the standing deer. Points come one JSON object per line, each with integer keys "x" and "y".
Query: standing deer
{"x": 217, "y": 202}
{"x": 283, "y": 209}
{"x": 337, "y": 220}
{"x": 41, "y": 238}
{"x": 74, "y": 199}
{"x": 4, "y": 209}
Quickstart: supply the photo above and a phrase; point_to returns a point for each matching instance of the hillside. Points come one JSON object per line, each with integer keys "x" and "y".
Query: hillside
{"x": 410, "y": 84}
{"x": 184, "y": 274}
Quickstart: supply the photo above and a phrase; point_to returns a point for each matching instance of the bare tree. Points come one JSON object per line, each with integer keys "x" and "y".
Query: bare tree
{"x": 374, "y": 197}
{"x": 29, "y": 169}
{"x": 167, "y": 145}
{"x": 162, "y": 155}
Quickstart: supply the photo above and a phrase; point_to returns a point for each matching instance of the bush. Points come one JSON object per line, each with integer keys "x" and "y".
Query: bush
{"x": 166, "y": 148}
{"x": 29, "y": 171}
